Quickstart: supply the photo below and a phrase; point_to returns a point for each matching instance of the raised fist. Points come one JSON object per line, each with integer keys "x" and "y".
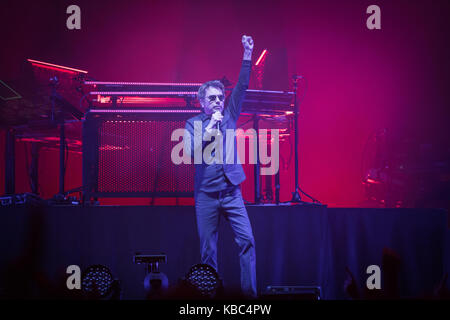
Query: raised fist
{"x": 247, "y": 42}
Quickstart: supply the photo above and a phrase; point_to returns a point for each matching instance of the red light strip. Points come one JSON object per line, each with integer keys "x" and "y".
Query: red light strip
{"x": 145, "y": 111}
{"x": 119, "y": 93}
{"x": 142, "y": 83}
{"x": 260, "y": 57}
{"x": 140, "y": 93}
{"x": 268, "y": 91}
{"x": 54, "y": 66}
{"x": 144, "y": 100}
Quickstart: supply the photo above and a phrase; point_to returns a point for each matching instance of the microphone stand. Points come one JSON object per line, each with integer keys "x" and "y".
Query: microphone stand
{"x": 295, "y": 195}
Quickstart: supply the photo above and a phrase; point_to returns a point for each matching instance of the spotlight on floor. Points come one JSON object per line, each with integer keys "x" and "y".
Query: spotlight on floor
{"x": 98, "y": 283}
{"x": 205, "y": 279}
{"x": 156, "y": 283}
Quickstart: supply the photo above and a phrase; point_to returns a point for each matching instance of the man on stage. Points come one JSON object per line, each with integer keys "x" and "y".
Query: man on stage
{"x": 217, "y": 191}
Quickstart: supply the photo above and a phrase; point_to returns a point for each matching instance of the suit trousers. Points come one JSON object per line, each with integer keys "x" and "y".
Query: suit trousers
{"x": 209, "y": 206}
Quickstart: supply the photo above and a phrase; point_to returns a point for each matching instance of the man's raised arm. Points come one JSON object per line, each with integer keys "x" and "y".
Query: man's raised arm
{"x": 238, "y": 94}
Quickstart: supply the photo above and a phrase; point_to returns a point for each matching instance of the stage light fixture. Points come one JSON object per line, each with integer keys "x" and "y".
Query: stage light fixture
{"x": 156, "y": 283}
{"x": 97, "y": 281}
{"x": 204, "y": 278}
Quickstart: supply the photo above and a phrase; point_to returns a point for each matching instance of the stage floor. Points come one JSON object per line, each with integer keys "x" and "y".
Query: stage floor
{"x": 295, "y": 245}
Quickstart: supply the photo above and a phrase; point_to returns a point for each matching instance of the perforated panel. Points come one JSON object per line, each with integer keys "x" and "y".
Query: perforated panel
{"x": 135, "y": 157}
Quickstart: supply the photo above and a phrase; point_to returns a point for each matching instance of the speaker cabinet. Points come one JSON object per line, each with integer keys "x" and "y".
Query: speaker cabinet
{"x": 128, "y": 154}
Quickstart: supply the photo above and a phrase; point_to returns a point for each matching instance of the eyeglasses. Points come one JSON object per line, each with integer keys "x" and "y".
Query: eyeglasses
{"x": 212, "y": 98}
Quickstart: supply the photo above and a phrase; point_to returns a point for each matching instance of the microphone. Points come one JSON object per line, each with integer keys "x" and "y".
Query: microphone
{"x": 218, "y": 123}
{"x": 297, "y": 77}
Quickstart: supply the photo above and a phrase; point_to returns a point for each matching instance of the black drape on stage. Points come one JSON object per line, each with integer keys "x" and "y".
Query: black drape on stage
{"x": 295, "y": 245}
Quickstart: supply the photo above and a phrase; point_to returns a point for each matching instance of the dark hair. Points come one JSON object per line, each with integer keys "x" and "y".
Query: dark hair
{"x": 202, "y": 90}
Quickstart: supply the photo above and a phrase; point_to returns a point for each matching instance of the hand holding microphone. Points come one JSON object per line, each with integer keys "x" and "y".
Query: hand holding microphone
{"x": 216, "y": 119}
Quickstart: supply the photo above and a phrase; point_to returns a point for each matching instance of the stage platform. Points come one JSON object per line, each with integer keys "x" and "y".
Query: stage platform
{"x": 295, "y": 245}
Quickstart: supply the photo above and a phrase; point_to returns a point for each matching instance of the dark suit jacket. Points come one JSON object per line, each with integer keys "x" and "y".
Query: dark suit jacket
{"x": 216, "y": 177}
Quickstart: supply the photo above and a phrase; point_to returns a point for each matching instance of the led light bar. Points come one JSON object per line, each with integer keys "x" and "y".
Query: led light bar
{"x": 145, "y": 111}
{"x": 260, "y": 57}
{"x": 54, "y": 66}
{"x": 140, "y": 83}
{"x": 268, "y": 91}
{"x": 143, "y": 100}
{"x": 141, "y": 93}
